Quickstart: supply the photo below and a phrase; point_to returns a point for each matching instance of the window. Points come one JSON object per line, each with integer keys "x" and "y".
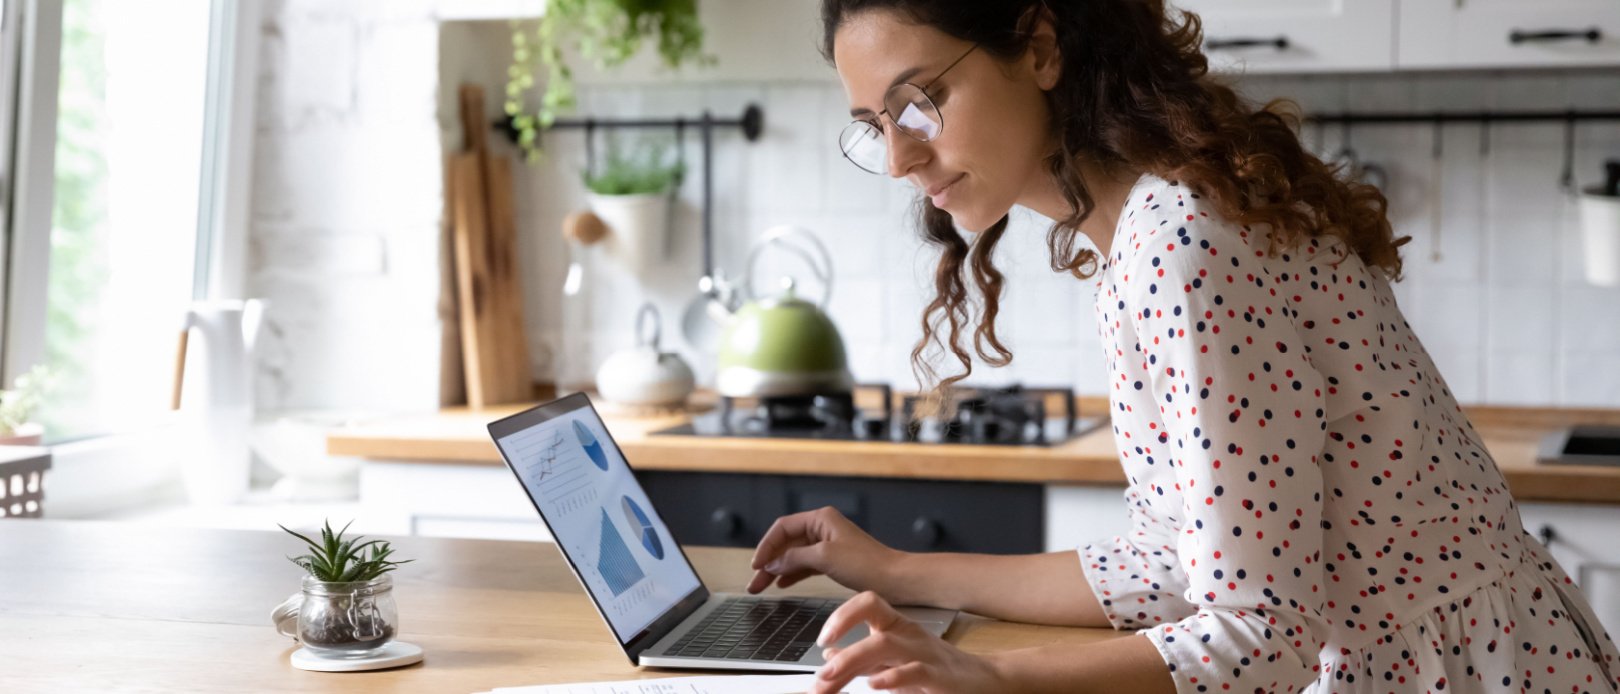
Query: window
{"x": 123, "y": 224}
{"x": 117, "y": 213}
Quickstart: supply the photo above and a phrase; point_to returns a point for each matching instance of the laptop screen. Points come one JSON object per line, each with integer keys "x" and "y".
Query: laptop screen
{"x": 598, "y": 514}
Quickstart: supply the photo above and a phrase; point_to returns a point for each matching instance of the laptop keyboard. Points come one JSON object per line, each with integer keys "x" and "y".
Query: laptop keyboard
{"x": 781, "y": 629}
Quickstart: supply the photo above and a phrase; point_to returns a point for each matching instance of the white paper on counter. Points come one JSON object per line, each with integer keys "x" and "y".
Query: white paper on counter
{"x": 707, "y": 684}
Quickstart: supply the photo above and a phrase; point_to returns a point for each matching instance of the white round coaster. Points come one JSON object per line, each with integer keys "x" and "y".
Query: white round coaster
{"x": 394, "y": 654}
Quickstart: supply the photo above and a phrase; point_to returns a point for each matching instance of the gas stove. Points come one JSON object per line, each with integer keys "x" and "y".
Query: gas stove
{"x": 1009, "y": 415}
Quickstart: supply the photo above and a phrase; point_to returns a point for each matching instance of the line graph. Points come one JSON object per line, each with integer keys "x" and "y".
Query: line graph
{"x": 555, "y": 469}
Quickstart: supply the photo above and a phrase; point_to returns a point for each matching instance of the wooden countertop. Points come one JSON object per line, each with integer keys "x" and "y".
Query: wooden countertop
{"x": 458, "y": 435}
{"x": 98, "y": 606}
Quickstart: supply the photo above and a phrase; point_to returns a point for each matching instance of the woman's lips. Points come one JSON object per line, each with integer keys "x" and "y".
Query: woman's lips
{"x": 939, "y": 194}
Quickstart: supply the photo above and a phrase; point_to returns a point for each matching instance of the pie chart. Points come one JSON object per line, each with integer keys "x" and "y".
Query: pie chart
{"x": 649, "y": 537}
{"x": 587, "y": 441}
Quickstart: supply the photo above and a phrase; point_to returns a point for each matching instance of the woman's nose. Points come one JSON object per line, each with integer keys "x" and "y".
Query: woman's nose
{"x": 905, "y": 152}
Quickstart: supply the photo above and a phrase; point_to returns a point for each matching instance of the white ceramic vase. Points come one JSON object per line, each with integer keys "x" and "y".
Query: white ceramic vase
{"x": 639, "y": 224}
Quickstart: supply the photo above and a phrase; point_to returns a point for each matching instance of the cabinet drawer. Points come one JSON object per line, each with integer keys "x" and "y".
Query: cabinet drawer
{"x": 913, "y": 515}
{"x": 929, "y": 516}
{"x": 720, "y": 510}
{"x": 1437, "y": 34}
{"x": 1297, "y": 36}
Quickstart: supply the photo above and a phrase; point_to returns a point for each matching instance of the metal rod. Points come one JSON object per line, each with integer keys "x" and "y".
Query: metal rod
{"x": 1462, "y": 117}
{"x": 639, "y": 123}
{"x": 751, "y": 122}
{"x": 708, "y": 193}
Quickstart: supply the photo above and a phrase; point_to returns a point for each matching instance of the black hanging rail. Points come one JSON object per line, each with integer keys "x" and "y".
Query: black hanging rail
{"x": 752, "y": 123}
{"x": 1568, "y": 117}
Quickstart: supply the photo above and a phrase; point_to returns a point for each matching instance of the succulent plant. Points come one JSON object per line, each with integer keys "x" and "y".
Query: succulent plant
{"x": 17, "y": 405}
{"x": 338, "y": 560}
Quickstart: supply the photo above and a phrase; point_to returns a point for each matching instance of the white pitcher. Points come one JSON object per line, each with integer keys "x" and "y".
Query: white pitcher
{"x": 214, "y": 392}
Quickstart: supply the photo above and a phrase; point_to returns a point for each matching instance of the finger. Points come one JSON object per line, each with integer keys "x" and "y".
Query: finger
{"x": 794, "y": 565}
{"x": 867, "y": 656}
{"x": 865, "y": 608}
{"x": 785, "y": 532}
{"x": 762, "y": 580}
{"x": 913, "y": 676}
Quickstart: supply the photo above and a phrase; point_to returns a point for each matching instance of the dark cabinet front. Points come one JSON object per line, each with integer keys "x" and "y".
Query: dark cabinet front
{"x": 735, "y": 510}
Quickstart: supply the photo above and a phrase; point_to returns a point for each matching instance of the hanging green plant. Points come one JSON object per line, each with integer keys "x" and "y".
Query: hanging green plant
{"x": 608, "y": 32}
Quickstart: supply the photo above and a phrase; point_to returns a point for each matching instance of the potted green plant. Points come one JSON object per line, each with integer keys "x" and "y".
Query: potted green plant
{"x": 607, "y": 31}
{"x": 633, "y": 194}
{"x": 18, "y": 405}
{"x": 346, "y": 608}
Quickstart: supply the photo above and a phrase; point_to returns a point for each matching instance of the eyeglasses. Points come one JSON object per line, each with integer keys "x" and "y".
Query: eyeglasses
{"x": 911, "y": 110}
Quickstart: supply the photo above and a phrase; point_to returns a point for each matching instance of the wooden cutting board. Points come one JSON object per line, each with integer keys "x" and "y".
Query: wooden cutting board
{"x": 495, "y": 350}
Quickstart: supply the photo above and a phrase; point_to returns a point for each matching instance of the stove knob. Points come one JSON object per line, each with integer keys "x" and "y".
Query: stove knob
{"x": 926, "y": 531}
{"x": 727, "y": 524}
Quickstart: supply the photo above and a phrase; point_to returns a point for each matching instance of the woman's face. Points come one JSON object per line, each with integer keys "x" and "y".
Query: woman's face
{"x": 992, "y": 149}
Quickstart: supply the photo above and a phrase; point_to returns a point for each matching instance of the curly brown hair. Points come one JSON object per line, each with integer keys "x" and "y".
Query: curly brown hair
{"x": 1135, "y": 93}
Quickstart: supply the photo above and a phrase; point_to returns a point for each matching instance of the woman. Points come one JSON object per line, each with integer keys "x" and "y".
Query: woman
{"x": 1311, "y": 510}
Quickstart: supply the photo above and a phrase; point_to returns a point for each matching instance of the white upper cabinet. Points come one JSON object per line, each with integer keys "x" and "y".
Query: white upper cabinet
{"x": 1508, "y": 33}
{"x": 1286, "y": 36}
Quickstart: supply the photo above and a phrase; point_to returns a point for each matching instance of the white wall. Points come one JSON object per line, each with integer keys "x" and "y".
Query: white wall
{"x": 349, "y": 203}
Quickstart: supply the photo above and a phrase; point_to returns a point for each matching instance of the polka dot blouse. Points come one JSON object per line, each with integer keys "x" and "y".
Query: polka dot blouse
{"x": 1310, "y": 510}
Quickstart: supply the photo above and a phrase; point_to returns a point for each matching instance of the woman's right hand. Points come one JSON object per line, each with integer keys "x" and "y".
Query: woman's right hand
{"x": 816, "y": 542}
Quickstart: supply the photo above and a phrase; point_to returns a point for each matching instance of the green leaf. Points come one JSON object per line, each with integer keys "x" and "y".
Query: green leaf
{"x": 310, "y": 542}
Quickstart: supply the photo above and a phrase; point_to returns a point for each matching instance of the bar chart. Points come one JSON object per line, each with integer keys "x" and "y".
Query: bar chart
{"x": 619, "y": 570}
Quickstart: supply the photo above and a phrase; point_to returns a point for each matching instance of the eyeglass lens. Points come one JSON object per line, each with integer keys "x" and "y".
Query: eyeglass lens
{"x": 910, "y": 109}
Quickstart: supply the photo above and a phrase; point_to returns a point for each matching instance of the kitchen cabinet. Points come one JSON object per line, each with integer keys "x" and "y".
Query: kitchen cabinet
{"x": 716, "y": 509}
{"x": 449, "y": 500}
{"x": 911, "y": 515}
{"x": 1290, "y": 36}
{"x": 1324, "y": 36}
{"x": 1077, "y": 515}
{"x": 1438, "y": 34}
{"x": 1581, "y": 539}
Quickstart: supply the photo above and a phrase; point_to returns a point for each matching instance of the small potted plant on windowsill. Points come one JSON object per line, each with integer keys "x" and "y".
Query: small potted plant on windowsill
{"x": 346, "y": 610}
{"x": 17, "y": 406}
{"x": 634, "y": 195}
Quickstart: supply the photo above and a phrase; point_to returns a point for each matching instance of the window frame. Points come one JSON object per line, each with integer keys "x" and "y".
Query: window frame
{"x": 105, "y": 473}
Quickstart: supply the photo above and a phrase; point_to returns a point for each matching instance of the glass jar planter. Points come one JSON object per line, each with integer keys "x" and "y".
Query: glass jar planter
{"x": 341, "y": 620}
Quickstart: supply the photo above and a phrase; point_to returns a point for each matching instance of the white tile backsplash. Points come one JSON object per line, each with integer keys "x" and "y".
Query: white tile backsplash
{"x": 348, "y": 205}
{"x": 1519, "y": 378}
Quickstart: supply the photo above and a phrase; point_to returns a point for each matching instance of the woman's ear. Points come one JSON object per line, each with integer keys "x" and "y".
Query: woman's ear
{"x": 1043, "y": 48}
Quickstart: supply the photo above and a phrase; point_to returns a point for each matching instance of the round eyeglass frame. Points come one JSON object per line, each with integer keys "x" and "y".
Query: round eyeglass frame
{"x": 868, "y": 130}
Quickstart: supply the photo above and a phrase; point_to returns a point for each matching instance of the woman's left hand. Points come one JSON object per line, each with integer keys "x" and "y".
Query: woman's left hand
{"x": 898, "y": 654}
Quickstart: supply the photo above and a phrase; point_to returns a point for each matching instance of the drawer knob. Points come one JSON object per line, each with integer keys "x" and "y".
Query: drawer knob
{"x": 726, "y": 522}
{"x": 926, "y": 530}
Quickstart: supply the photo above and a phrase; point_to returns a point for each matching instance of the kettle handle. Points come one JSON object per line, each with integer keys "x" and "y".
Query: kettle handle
{"x": 180, "y": 360}
{"x": 648, "y": 312}
{"x": 774, "y": 236}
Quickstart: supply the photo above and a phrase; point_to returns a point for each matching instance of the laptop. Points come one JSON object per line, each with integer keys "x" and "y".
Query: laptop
{"x": 638, "y": 576}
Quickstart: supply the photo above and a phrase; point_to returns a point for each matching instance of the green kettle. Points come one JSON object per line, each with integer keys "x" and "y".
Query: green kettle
{"x": 783, "y": 345}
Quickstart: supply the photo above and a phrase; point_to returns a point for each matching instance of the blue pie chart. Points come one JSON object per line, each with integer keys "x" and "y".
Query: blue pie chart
{"x": 638, "y": 519}
{"x": 587, "y": 441}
